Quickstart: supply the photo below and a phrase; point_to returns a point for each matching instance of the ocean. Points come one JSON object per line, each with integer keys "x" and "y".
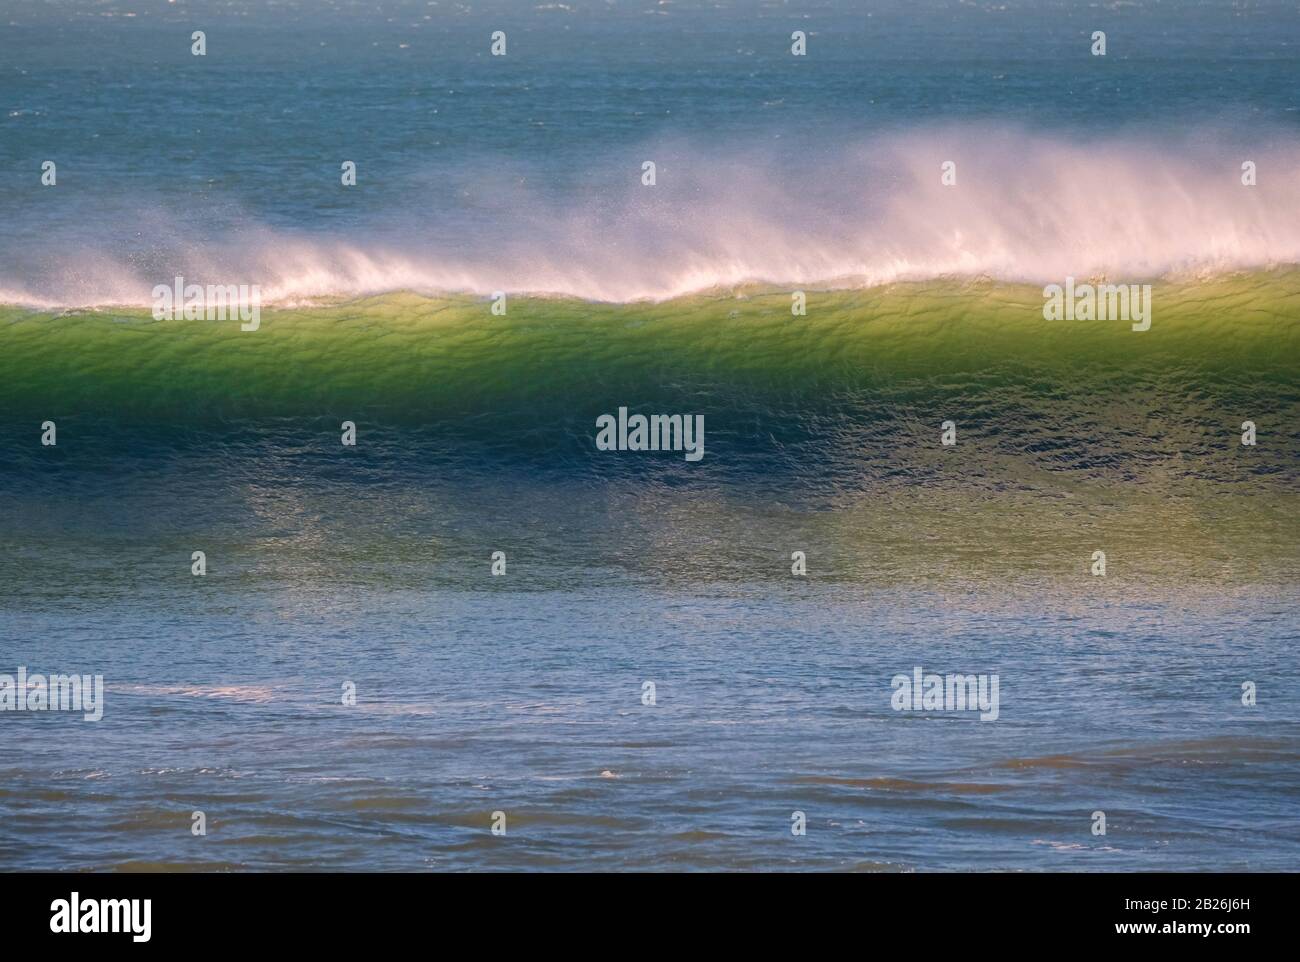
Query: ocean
{"x": 475, "y": 638}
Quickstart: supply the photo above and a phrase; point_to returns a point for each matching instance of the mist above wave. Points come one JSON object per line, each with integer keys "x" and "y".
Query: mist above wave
{"x": 1024, "y": 207}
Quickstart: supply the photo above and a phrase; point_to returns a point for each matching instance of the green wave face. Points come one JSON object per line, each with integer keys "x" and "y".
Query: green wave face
{"x": 864, "y": 379}
{"x": 417, "y": 357}
{"x": 410, "y": 359}
{"x": 823, "y": 430}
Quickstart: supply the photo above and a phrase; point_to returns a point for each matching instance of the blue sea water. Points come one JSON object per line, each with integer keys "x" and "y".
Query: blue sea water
{"x": 523, "y": 693}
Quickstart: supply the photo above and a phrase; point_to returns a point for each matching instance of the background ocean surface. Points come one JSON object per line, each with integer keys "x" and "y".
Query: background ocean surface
{"x": 522, "y": 693}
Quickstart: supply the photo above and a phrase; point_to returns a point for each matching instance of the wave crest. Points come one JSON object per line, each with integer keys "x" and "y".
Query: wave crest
{"x": 1025, "y": 207}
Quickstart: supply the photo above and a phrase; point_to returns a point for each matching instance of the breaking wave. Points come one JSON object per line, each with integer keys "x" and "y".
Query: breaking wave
{"x": 1024, "y": 207}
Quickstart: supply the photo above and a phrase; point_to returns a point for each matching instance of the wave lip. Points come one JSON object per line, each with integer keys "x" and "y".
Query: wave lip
{"x": 1023, "y": 207}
